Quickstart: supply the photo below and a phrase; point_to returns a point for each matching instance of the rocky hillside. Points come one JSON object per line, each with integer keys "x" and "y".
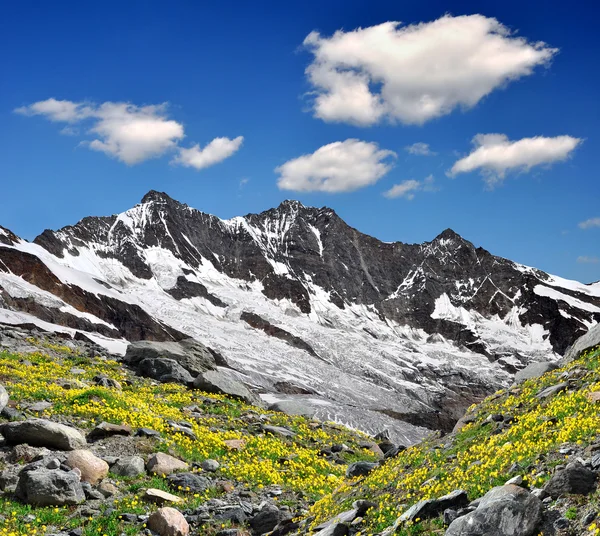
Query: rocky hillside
{"x": 89, "y": 447}
{"x": 311, "y": 313}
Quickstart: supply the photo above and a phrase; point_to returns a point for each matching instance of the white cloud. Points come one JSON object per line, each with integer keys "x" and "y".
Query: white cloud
{"x": 216, "y": 151}
{"x": 128, "y": 132}
{"x": 415, "y": 73}
{"x": 588, "y": 260}
{"x": 494, "y": 154}
{"x": 408, "y": 188}
{"x": 420, "y": 149}
{"x": 58, "y": 110}
{"x": 343, "y": 166}
{"x": 588, "y": 224}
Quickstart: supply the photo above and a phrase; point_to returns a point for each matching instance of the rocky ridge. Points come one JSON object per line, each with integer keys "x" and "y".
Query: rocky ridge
{"x": 313, "y": 313}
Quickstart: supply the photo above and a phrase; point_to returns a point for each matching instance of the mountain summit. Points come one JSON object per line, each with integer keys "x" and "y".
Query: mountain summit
{"x": 411, "y": 333}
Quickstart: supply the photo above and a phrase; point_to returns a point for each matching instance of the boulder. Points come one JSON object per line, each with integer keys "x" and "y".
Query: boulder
{"x": 189, "y": 353}
{"x": 590, "y": 339}
{"x": 164, "y": 370}
{"x": 210, "y": 466}
{"x": 428, "y": 509}
{"x": 574, "y": 478}
{"x": 293, "y": 407}
{"x": 92, "y": 468}
{"x": 107, "y": 429}
{"x": 168, "y": 521}
{"x": 42, "y": 433}
{"x": 224, "y": 381}
{"x": 3, "y": 397}
{"x": 504, "y": 511}
{"x": 534, "y": 370}
{"x": 278, "y": 430}
{"x": 360, "y": 469}
{"x": 50, "y": 487}
{"x": 189, "y": 482}
{"x": 164, "y": 464}
{"x": 267, "y": 519}
{"x": 129, "y": 466}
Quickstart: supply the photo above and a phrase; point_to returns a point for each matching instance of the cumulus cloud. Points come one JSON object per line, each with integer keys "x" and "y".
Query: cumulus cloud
{"x": 495, "y": 155}
{"x": 588, "y": 224}
{"x": 420, "y": 149}
{"x": 343, "y": 166}
{"x": 216, "y": 151}
{"x": 408, "y": 188}
{"x": 418, "y": 72}
{"x": 584, "y": 259}
{"x": 130, "y": 133}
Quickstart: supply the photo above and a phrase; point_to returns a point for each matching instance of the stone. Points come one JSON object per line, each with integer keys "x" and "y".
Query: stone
{"x": 574, "y": 478}
{"x": 210, "y": 466}
{"x": 293, "y": 407}
{"x": 430, "y": 508}
{"x": 278, "y": 431}
{"x": 147, "y": 432}
{"x": 129, "y": 466}
{"x": 43, "y": 433}
{"x": 168, "y": 521}
{"x": 9, "y": 478}
{"x": 235, "y": 444}
{"x": 49, "y": 487}
{"x": 164, "y": 370}
{"x": 104, "y": 381}
{"x": 107, "y": 489}
{"x": 3, "y": 397}
{"x": 189, "y": 353}
{"x": 224, "y": 381}
{"x": 516, "y": 480}
{"x": 503, "y": 511}
{"x": 335, "y": 529}
{"x": 93, "y": 469}
{"x": 107, "y": 429}
{"x": 26, "y": 453}
{"x": 164, "y": 464}
{"x": 534, "y": 370}
{"x": 593, "y": 397}
{"x": 159, "y": 496}
{"x": 189, "y": 482}
{"x": 552, "y": 390}
{"x": 226, "y": 486}
{"x": 266, "y": 520}
{"x": 38, "y": 407}
{"x": 373, "y": 447}
{"x": 360, "y": 469}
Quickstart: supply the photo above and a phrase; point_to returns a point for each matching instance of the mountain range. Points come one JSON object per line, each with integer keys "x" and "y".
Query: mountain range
{"x": 316, "y": 316}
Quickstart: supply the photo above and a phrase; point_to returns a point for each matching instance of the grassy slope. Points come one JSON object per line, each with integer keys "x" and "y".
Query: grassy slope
{"x": 478, "y": 458}
{"x": 294, "y": 464}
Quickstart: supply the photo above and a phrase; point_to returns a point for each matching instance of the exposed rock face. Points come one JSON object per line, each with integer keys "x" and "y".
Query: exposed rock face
{"x": 42, "y": 433}
{"x": 589, "y": 339}
{"x": 377, "y": 335}
{"x": 534, "y": 370}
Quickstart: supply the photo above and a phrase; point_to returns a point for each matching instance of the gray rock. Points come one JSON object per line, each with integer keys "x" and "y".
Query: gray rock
{"x": 43, "y": 433}
{"x": 164, "y": 370}
{"x": 9, "y": 478}
{"x": 3, "y": 397}
{"x": 360, "y": 469}
{"x": 574, "y": 478}
{"x": 38, "y": 407}
{"x": 189, "y": 482}
{"x": 129, "y": 466}
{"x": 503, "y": 511}
{"x": 225, "y": 382}
{"x": 106, "y": 429}
{"x": 336, "y": 529}
{"x": 210, "y": 466}
{"x": 49, "y": 487}
{"x": 590, "y": 339}
{"x": 189, "y": 353}
{"x": 434, "y": 507}
{"x": 147, "y": 432}
{"x": 266, "y": 520}
{"x": 552, "y": 390}
{"x": 534, "y": 370}
{"x": 278, "y": 430}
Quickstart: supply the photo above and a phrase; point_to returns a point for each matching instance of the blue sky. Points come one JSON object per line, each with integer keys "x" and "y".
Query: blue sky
{"x": 141, "y": 89}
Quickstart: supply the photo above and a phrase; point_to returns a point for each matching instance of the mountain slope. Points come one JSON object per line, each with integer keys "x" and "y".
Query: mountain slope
{"x": 401, "y": 336}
